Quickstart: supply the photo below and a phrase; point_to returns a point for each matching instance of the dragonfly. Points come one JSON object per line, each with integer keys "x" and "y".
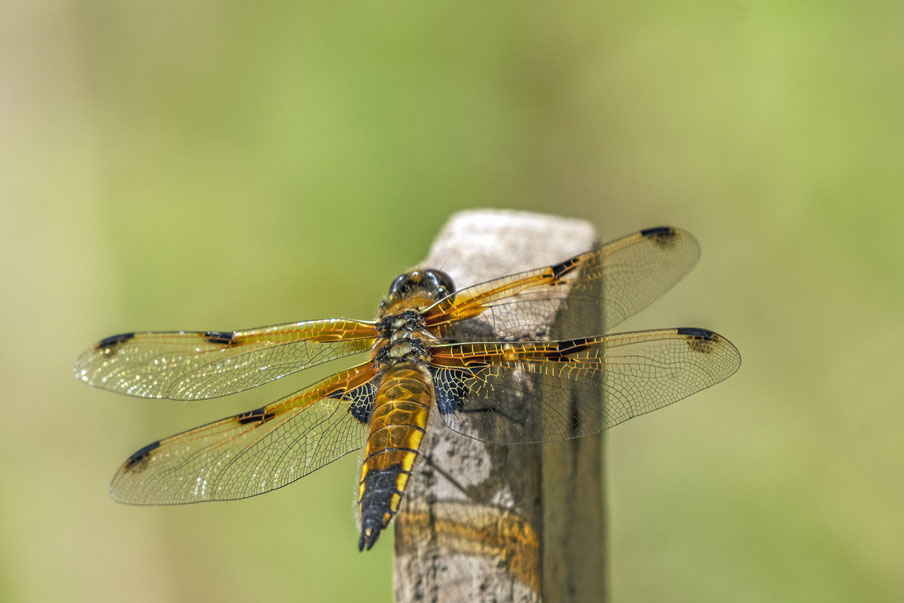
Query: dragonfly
{"x": 431, "y": 349}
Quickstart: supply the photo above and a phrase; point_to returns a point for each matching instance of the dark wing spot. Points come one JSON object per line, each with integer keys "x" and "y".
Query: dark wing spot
{"x": 258, "y": 415}
{"x": 574, "y": 346}
{"x": 361, "y": 400}
{"x": 699, "y": 340}
{"x": 697, "y": 332}
{"x": 140, "y": 458}
{"x": 109, "y": 343}
{"x": 219, "y": 337}
{"x": 563, "y": 268}
{"x": 451, "y": 389}
{"x": 361, "y": 410}
{"x": 565, "y": 349}
{"x": 661, "y": 235}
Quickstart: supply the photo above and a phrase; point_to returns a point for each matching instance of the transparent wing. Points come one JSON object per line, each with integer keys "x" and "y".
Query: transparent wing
{"x": 253, "y": 452}
{"x": 194, "y": 365}
{"x": 621, "y": 277}
{"x": 557, "y": 390}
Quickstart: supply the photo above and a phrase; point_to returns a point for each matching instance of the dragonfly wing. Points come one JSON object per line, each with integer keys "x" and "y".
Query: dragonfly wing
{"x": 621, "y": 278}
{"x": 194, "y": 365}
{"x": 553, "y": 391}
{"x": 256, "y": 451}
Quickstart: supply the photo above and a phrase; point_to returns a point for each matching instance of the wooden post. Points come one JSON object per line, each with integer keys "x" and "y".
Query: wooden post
{"x": 503, "y": 523}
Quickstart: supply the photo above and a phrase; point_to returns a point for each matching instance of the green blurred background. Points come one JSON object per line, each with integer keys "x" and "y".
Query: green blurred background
{"x": 209, "y": 165}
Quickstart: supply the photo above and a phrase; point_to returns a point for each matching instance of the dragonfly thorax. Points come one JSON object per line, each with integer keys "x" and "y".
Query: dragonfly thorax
{"x": 404, "y": 339}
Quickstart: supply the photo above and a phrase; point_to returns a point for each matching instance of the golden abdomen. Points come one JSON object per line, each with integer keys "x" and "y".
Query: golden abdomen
{"x": 397, "y": 426}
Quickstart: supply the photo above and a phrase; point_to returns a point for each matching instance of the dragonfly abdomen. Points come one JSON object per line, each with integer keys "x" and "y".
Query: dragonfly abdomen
{"x": 397, "y": 427}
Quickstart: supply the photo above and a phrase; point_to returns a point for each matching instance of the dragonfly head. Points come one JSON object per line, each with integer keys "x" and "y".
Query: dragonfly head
{"x": 426, "y": 285}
